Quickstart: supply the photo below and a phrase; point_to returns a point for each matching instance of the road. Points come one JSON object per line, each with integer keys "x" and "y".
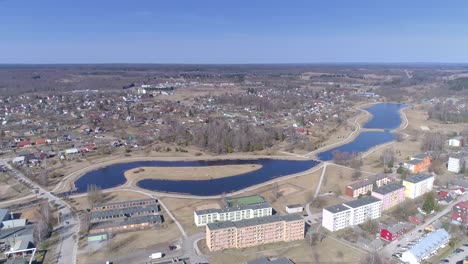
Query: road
{"x": 67, "y": 246}
{"x": 414, "y": 234}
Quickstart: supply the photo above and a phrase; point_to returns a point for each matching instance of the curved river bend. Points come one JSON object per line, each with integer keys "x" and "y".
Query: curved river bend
{"x": 384, "y": 116}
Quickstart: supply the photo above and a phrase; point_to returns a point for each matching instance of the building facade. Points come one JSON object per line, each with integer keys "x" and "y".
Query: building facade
{"x": 392, "y": 232}
{"x": 365, "y": 186}
{"x": 236, "y": 213}
{"x": 456, "y": 163}
{"x": 418, "y": 163}
{"x": 254, "y": 232}
{"x": 391, "y": 195}
{"x": 351, "y": 213}
{"x": 418, "y": 185}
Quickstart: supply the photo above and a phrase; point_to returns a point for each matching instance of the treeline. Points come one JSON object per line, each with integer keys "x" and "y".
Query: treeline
{"x": 447, "y": 112}
{"x": 224, "y": 136}
{"x": 458, "y": 84}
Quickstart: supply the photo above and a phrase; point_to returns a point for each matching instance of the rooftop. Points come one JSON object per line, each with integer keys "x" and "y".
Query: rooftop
{"x": 418, "y": 178}
{"x": 361, "y": 202}
{"x": 125, "y": 202}
{"x": 125, "y": 211}
{"x": 254, "y": 221}
{"x": 420, "y": 156}
{"x": 127, "y": 221}
{"x": 428, "y": 244}
{"x": 369, "y": 181}
{"x": 388, "y": 188}
{"x": 336, "y": 208}
{"x": 233, "y": 208}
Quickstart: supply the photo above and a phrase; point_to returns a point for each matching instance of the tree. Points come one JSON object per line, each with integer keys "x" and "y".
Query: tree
{"x": 372, "y": 258}
{"x": 318, "y": 202}
{"x": 43, "y": 227}
{"x": 275, "y": 191}
{"x": 370, "y": 226}
{"x": 95, "y": 195}
{"x": 387, "y": 157}
{"x": 429, "y": 203}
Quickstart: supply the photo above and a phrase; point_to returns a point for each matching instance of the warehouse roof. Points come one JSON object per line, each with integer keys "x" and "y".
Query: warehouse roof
{"x": 122, "y": 212}
{"x": 428, "y": 244}
{"x": 127, "y": 221}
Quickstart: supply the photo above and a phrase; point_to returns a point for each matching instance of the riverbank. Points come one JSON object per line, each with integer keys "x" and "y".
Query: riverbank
{"x": 66, "y": 183}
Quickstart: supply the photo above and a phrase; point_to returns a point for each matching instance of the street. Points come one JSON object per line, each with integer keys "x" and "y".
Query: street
{"x": 68, "y": 242}
{"x": 414, "y": 234}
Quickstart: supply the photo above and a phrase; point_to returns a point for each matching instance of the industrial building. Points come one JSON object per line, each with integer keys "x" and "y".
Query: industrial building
{"x": 426, "y": 247}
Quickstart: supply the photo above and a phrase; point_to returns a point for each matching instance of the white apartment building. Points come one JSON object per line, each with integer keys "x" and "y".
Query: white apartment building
{"x": 351, "y": 213}
{"x": 457, "y": 162}
{"x": 236, "y": 213}
{"x": 418, "y": 185}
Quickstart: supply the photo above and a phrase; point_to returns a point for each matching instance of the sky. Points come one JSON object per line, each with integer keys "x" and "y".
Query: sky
{"x": 240, "y": 31}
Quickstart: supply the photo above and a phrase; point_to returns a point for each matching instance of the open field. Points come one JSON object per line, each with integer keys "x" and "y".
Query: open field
{"x": 327, "y": 251}
{"x": 188, "y": 173}
{"x": 11, "y": 188}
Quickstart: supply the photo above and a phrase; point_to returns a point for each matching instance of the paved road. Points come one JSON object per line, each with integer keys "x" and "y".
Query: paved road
{"x": 414, "y": 234}
{"x": 67, "y": 245}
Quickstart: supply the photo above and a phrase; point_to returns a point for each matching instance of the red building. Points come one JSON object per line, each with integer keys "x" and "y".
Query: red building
{"x": 460, "y": 212}
{"x": 392, "y": 232}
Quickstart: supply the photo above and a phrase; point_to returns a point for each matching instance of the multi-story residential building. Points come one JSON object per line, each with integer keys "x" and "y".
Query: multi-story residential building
{"x": 351, "y": 213}
{"x": 236, "y": 209}
{"x": 418, "y": 163}
{"x": 336, "y": 217}
{"x": 254, "y": 232}
{"x": 236, "y": 213}
{"x": 391, "y": 195}
{"x": 365, "y": 186}
{"x": 418, "y": 185}
{"x": 457, "y": 162}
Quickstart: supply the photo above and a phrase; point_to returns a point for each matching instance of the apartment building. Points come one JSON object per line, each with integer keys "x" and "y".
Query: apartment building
{"x": 418, "y": 185}
{"x": 365, "y": 186}
{"x": 237, "y": 209}
{"x": 418, "y": 163}
{"x": 254, "y": 232}
{"x": 457, "y": 162}
{"x": 391, "y": 195}
{"x": 351, "y": 213}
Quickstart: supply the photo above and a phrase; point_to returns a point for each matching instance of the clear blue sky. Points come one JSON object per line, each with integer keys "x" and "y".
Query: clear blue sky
{"x": 233, "y": 31}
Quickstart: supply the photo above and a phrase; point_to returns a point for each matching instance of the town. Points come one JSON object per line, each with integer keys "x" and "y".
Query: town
{"x": 243, "y": 164}
{"x": 233, "y": 132}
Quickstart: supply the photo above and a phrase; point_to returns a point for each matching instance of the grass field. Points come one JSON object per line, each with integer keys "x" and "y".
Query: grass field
{"x": 188, "y": 173}
{"x": 11, "y": 188}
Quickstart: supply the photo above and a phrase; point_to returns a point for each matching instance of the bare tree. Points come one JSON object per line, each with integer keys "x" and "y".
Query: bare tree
{"x": 95, "y": 195}
{"x": 387, "y": 157}
{"x": 275, "y": 191}
{"x": 372, "y": 258}
{"x": 43, "y": 226}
